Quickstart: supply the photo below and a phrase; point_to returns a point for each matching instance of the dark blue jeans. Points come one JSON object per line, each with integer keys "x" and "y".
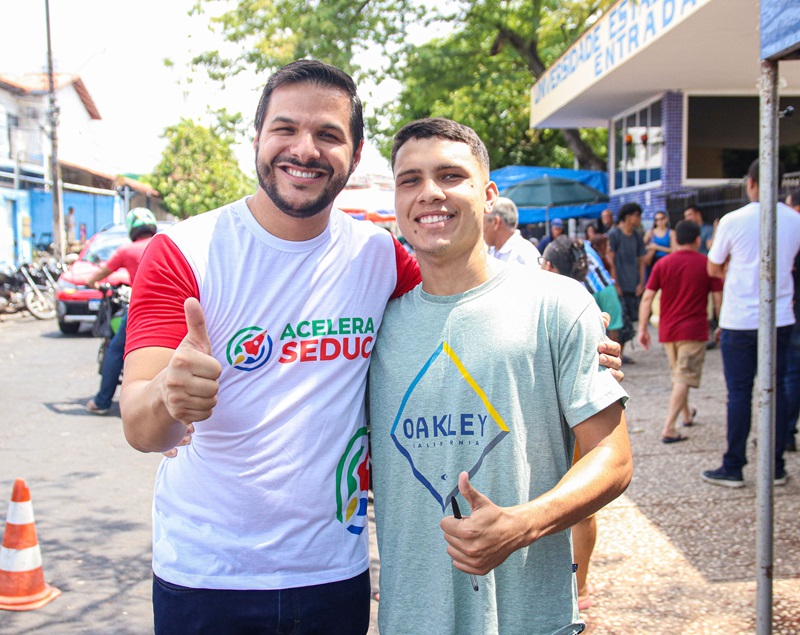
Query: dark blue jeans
{"x": 791, "y": 383}
{"x": 338, "y": 608}
{"x": 112, "y": 367}
{"x": 739, "y": 359}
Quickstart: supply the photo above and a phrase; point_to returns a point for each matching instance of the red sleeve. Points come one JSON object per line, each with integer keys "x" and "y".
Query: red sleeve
{"x": 654, "y": 281}
{"x": 407, "y": 270}
{"x": 164, "y": 280}
{"x": 116, "y": 261}
{"x": 716, "y": 284}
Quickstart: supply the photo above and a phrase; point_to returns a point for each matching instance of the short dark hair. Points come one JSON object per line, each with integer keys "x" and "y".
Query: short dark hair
{"x": 568, "y": 257}
{"x": 628, "y": 210}
{"x": 697, "y": 209}
{"x": 794, "y": 197}
{"x": 752, "y": 171}
{"x": 444, "y": 129}
{"x": 686, "y": 232}
{"x": 323, "y": 75}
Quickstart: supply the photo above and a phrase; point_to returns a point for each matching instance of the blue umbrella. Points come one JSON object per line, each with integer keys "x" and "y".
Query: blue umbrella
{"x": 549, "y": 192}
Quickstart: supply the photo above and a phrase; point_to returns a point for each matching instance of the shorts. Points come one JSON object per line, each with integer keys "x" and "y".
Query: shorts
{"x": 631, "y": 302}
{"x": 608, "y": 301}
{"x": 686, "y": 359}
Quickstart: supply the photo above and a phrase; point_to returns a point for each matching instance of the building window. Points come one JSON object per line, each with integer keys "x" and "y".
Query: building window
{"x": 723, "y": 134}
{"x": 638, "y": 147}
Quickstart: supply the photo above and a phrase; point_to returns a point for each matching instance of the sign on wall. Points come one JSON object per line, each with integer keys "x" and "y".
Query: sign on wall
{"x": 625, "y": 29}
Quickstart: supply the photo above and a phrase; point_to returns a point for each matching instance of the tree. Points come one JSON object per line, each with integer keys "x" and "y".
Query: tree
{"x": 198, "y": 170}
{"x": 479, "y": 74}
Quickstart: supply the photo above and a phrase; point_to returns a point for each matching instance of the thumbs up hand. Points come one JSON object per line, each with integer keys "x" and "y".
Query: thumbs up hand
{"x": 483, "y": 540}
{"x": 191, "y": 386}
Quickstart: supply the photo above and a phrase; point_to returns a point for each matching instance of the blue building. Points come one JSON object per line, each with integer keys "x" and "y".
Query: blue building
{"x": 675, "y": 82}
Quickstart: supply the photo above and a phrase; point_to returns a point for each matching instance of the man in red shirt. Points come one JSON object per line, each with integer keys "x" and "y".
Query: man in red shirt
{"x": 142, "y": 227}
{"x": 683, "y": 325}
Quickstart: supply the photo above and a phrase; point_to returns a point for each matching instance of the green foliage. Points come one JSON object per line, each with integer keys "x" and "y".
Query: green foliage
{"x": 267, "y": 34}
{"x": 198, "y": 170}
{"x": 479, "y": 73}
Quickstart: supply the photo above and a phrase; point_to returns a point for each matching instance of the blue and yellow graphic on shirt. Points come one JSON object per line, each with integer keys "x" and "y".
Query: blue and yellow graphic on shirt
{"x": 475, "y": 432}
{"x": 249, "y": 349}
{"x": 352, "y": 484}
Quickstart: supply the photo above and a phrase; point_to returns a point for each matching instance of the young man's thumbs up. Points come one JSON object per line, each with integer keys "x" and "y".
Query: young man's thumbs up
{"x": 482, "y": 541}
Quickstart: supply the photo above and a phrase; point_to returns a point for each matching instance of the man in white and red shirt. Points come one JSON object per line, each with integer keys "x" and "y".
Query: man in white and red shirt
{"x": 262, "y": 518}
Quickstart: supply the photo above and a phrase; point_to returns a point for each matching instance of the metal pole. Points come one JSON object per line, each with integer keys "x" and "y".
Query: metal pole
{"x": 55, "y": 172}
{"x": 768, "y": 189}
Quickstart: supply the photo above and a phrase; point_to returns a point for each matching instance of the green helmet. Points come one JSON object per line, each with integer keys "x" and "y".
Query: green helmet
{"x": 140, "y": 220}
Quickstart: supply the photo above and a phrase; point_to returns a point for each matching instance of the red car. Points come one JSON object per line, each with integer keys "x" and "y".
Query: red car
{"x": 76, "y": 303}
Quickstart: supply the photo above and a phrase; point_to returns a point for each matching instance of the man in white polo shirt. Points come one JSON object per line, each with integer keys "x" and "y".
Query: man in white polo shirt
{"x": 504, "y": 239}
{"x": 737, "y": 243}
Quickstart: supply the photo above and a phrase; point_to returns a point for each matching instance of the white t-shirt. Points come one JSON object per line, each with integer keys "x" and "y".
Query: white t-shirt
{"x": 272, "y": 491}
{"x": 737, "y": 236}
{"x": 517, "y": 249}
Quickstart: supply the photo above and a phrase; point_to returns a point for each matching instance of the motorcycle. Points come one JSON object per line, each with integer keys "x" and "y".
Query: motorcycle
{"x": 28, "y": 287}
{"x": 113, "y": 307}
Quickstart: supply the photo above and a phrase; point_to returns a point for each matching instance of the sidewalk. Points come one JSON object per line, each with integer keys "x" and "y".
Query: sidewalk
{"x": 676, "y": 555}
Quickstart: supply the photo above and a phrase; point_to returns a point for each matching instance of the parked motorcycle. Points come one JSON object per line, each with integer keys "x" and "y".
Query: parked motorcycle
{"x": 113, "y": 307}
{"x": 28, "y": 287}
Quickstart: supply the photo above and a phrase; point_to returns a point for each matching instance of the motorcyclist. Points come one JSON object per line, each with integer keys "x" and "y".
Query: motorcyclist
{"x": 141, "y": 224}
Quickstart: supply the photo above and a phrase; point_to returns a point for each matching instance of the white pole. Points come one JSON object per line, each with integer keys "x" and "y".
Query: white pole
{"x": 768, "y": 189}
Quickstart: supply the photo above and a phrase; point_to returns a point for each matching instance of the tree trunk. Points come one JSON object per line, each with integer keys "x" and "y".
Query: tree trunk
{"x": 587, "y": 159}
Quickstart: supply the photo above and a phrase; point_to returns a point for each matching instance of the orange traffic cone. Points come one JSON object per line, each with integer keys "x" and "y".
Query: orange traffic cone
{"x": 22, "y": 585}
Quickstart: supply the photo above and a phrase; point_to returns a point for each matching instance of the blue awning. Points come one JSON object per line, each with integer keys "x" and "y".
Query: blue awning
{"x": 529, "y": 215}
{"x": 513, "y": 174}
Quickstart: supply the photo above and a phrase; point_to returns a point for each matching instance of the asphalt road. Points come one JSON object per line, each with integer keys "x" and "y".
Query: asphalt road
{"x": 91, "y": 491}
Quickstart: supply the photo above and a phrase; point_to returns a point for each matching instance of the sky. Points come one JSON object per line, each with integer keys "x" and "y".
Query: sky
{"x": 118, "y": 49}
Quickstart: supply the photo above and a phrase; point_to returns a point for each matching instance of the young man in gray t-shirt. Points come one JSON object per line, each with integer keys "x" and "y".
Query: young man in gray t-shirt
{"x": 482, "y": 380}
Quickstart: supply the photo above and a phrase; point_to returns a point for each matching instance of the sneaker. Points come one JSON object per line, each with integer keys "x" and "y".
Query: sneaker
{"x": 92, "y": 408}
{"x": 781, "y": 478}
{"x": 721, "y": 476}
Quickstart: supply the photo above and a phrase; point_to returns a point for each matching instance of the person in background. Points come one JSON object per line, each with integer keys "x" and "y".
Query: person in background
{"x": 659, "y": 240}
{"x": 683, "y": 324}
{"x": 696, "y": 215}
{"x": 571, "y": 258}
{"x": 556, "y": 229}
{"x": 605, "y": 222}
{"x": 142, "y": 227}
{"x": 69, "y": 226}
{"x": 791, "y": 384}
{"x": 627, "y": 257}
{"x": 504, "y": 239}
{"x": 736, "y": 242}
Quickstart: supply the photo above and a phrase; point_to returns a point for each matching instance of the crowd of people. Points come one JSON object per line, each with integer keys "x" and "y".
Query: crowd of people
{"x": 491, "y": 380}
{"x": 681, "y": 270}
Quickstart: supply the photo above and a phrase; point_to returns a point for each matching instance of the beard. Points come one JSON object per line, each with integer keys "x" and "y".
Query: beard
{"x": 268, "y": 183}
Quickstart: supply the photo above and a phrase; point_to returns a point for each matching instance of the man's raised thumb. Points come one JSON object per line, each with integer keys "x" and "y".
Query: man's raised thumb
{"x": 196, "y": 333}
{"x": 470, "y": 494}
